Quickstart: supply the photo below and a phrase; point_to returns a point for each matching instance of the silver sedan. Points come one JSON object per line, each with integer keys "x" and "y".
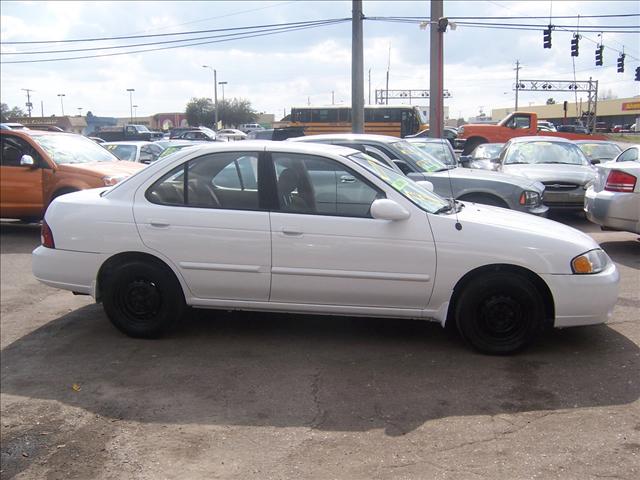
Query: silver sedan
{"x": 613, "y": 201}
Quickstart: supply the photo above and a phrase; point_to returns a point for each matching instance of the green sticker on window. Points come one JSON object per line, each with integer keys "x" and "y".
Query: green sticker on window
{"x": 399, "y": 184}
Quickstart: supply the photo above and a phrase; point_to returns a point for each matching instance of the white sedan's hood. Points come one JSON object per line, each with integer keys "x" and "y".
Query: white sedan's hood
{"x": 492, "y": 235}
{"x": 578, "y": 174}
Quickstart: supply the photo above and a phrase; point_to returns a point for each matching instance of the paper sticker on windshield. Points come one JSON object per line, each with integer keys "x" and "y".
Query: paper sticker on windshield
{"x": 399, "y": 183}
{"x": 427, "y": 166}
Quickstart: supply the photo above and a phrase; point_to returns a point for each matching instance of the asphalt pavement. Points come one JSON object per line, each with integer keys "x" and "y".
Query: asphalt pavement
{"x": 272, "y": 396}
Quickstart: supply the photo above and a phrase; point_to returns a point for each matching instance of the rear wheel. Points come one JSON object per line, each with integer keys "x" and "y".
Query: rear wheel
{"x": 499, "y": 313}
{"x": 143, "y": 299}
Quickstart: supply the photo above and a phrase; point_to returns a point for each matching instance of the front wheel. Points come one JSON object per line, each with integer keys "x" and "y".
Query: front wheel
{"x": 499, "y": 313}
{"x": 143, "y": 299}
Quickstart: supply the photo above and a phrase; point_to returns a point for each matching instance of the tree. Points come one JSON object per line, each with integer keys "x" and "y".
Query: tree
{"x": 200, "y": 111}
{"x": 551, "y": 101}
{"x": 6, "y": 113}
{"x": 236, "y": 111}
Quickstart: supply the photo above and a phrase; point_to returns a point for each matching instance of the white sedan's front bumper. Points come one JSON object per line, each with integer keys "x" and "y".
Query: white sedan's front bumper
{"x": 75, "y": 271}
{"x": 584, "y": 299}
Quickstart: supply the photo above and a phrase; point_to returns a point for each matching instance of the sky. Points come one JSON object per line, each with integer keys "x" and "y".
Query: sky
{"x": 289, "y": 69}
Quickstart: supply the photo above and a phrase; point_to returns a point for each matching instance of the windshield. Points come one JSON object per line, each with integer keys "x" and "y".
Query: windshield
{"x": 418, "y": 195}
{"x": 600, "y": 150}
{"x": 437, "y": 150}
{"x": 545, "y": 153}
{"x": 422, "y": 116}
{"x": 487, "y": 151}
{"x": 66, "y": 149}
{"x": 123, "y": 152}
{"x": 418, "y": 157}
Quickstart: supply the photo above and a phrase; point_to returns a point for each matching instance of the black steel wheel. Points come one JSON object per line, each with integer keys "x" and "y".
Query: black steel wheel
{"x": 499, "y": 313}
{"x": 143, "y": 299}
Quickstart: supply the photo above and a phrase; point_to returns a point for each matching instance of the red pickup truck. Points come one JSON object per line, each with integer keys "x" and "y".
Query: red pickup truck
{"x": 517, "y": 124}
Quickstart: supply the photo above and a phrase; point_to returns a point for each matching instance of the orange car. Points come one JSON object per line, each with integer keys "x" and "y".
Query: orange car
{"x": 38, "y": 166}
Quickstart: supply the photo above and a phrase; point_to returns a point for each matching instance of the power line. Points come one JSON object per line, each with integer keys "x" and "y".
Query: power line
{"x": 90, "y": 49}
{"x": 193, "y": 32}
{"x": 249, "y": 35}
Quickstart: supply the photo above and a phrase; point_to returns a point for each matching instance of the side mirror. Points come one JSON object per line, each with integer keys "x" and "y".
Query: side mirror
{"x": 594, "y": 161}
{"x": 403, "y": 166}
{"x": 385, "y": 209}
{"x": 464, "y": 160}
{"x": 27, "y": 161}
{"x": 416, "y": 176}
{"x": 426, "y": 184}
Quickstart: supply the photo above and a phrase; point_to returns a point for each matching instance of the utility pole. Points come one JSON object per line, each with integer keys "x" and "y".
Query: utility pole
{"x": 62, "y": 95}
{"x": 131, "y": 90}
{"x": 369, "y": 86}
{"x": 42, "y": 108}
{"x": 517, "y": 69}
{"x": 333, "y": 102}
{"x": 388, "y": 68}
{"x": 436, "y": 75}
{"x": 357, "y": 70}
{"x": 29, "y": 105}
{"x": 215, "y": 95}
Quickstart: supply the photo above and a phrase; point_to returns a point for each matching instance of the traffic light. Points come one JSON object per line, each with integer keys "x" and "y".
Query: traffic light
{"x": 621, "y": 63}
{"x": 637, "y": 74}
{"x": 599, "y": 51}
{"x": 547, "y": 37}
{"x": 574, "y": 45}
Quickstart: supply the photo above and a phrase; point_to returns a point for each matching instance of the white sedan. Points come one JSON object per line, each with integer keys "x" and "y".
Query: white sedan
{"x": 309, "y": 228}
{"x": 231, "y": 134}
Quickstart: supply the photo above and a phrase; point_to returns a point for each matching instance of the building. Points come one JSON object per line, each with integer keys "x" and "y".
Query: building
{"x": 619, "y": 111}
{"x": 167, "y": 121}
{"x": 266, "y": 119}
{"x": 68, "y": 124}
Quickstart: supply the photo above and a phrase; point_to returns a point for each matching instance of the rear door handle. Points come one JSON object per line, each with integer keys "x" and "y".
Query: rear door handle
{"x": 159, "y": 223}
{"x": 292, "y": 231}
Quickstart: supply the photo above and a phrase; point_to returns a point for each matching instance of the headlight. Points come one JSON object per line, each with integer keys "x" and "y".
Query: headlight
{"x": 529, "y": 198}
{"x": 460, "y": 131}
{"x": 593, "y": 261}
{"x": 112, "y": 180}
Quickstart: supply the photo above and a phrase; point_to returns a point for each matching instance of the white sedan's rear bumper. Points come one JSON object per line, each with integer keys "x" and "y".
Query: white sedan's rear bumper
{"x": 616, "y": 210}
{"x": 584, "y": 299}
{"x": 68, "y": 270}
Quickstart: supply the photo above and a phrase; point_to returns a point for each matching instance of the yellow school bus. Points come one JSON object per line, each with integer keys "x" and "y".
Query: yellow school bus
{"x": 394, "y": 120}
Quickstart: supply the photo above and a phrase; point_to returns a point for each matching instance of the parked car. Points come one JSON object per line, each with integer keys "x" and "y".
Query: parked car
{"x": 436, "y": 147}
{"x": 629, "y": 155}
{"x": 598, "y": 151}
{"x": 558, "y": 163}
{"x": 613, "y": 201}
{"x": 38, "y": 166}
{"x": 250, "y": 127}
{"x": 484, "y": 156}
{"x": 177, "y": 145}
{"x": 547, "y": 126}
{"x": 199, "y": 135}
{"x": 231, "y": 134}
{"x": 479, "y": 186}
{"x": 97, "y": 139}
{"x": 127, "y": 133}
{"x": 13, "y": 126}
{"x": 276, "y": 134}
{"x": 450, "y": 133}
{"x": 305, "y": 228}
{"x": 142, "y": 152}
{"x": 572, "y": 129}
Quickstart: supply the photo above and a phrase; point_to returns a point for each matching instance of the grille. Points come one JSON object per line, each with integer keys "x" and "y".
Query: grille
{"x": 560, "y": 186}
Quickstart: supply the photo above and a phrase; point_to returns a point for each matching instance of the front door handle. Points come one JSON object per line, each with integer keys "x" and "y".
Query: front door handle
{"x": 347, "y": 179}
{"x": 292, "y": 231}
{"x": 159, "y": 223}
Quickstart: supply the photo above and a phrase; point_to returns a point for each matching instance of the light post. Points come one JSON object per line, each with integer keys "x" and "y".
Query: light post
{"x": 215, "y": 95}
{"x": 135, "y": 113}
{"x": 131, "y": 90}
{"x": 61, "y": 102}
{"x": 80, "y": 111}
{"x": 223, "y": 84}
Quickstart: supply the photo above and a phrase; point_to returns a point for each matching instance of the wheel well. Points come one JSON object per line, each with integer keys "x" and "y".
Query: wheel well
{"x": 62, "y": 191}
{"x": 107, "y": 267}
{"x": 472, "y": 143}
{"x": 483, "y": 195}
{"x": 541, "y": 286}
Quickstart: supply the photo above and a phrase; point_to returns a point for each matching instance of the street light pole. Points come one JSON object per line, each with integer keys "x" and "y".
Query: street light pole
{"x": 131, "y": 90}
{"x": 215, "y": 94}
{"x": 223, "y": 84}
{"x": 135, "y": 113}
{"x": 61, "y": 102}
{"x": 79, "y": 111}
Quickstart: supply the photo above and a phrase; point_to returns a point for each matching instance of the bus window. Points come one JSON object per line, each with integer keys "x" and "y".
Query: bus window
{"x": 344, "y": 115}
{"x": 324, "y": 115}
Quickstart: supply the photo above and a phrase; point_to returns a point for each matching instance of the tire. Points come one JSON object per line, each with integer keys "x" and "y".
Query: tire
{"x": 499, "y": 313}
{"x": 484, "y": 199}
{"x": 143, "y": 299}
{"x": 471, "y": 144}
